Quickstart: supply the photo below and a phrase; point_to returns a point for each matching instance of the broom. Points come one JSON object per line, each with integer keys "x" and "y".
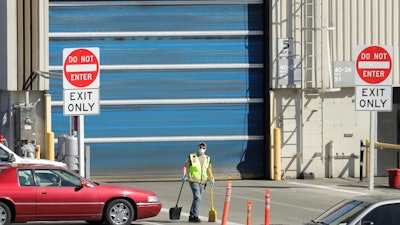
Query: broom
{"x": 212, "y": 214}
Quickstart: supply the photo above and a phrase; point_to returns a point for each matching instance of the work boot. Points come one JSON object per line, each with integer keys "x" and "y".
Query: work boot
{"x": 194, "y": 219}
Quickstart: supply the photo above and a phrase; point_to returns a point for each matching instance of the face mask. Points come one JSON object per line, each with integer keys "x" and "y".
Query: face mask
{"x": 202, "y": 150}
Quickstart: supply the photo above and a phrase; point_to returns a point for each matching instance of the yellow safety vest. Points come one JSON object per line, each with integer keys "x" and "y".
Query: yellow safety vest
{"x": 198, "y": 173}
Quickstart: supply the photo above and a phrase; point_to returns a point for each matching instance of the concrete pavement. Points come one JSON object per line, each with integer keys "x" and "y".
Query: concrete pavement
{"x": 293, "y": 201}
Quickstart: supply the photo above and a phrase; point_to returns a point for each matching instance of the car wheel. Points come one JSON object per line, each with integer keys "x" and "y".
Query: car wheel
{"x": 119, "y": 212}
{"x": 5, "y": 214}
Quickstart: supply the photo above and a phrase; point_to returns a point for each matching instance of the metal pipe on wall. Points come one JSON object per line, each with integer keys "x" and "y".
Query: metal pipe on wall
{"x": 331, "y": 159}
{"x": 362, "y": 146}
{"x": 367, "y": 150}
{"x": 277, "y": 154}
{"x": 368, "y": 153}
{"x": 271, "y": 137}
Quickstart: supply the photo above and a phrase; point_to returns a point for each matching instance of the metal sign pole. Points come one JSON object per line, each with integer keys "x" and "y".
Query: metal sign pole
{"x": 82, "y": 145}
{"x": 373, "y": 115}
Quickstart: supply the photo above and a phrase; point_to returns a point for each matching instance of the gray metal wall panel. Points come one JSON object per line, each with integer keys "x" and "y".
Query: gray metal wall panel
{"x": 234, "y": 130}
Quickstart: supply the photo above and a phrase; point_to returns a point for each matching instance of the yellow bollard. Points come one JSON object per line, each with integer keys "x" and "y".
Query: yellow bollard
{"x": 37, "y": 152}
{"x": 49, "y": 135}
{"x": 50, "y": 145}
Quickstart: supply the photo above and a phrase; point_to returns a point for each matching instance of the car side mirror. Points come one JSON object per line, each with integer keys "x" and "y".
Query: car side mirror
{"x": 86, "y": 184}
{"x": 83, "y": 183}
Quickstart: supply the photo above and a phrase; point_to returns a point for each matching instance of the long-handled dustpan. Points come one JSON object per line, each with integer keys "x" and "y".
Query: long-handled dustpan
{"x": 175, "y": 212}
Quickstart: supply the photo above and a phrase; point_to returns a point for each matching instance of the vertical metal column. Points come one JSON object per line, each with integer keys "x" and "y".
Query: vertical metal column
{"x": 361, "y": 159}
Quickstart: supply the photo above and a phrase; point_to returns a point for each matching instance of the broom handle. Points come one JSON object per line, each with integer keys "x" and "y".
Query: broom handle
{"x": 179, "y": 194}
{"x": 212, "y": 198}
{"x": 211, "y": 190}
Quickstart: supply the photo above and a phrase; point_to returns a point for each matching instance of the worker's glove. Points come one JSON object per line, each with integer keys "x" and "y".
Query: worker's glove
{"x": 183, "y": 178}
{"x": 212, "y": 182}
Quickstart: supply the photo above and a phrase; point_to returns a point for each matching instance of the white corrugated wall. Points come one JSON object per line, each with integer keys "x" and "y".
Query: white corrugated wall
{"x": 365, "y": 22}
{"x": 317, "y": 115}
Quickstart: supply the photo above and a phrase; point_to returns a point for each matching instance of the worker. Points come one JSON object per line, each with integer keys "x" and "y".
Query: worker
{"x": 197, "y": 170}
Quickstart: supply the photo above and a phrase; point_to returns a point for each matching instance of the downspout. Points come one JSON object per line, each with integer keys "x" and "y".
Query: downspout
{"x": 277, "y": 154}
{"x": 331, "y": 160}
{"x": 267, "y": 97}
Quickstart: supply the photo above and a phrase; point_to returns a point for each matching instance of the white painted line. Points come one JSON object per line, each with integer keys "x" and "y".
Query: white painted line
{"x": 280, "y": 203}
{"x": 202, "y": 218}
{"x": 81, "y": 67}
{"x": 373, "y": 65}
{"x": 146, "y": 222}
{"x": 329, "y": 188}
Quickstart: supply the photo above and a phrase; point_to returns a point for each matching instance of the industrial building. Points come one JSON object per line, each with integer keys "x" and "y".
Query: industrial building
{"x": 244, "y": 76}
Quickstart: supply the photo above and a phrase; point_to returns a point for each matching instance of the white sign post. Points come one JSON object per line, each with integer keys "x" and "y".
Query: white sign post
{"x": 373, "y": 91}
{"x": 81, "y": 82}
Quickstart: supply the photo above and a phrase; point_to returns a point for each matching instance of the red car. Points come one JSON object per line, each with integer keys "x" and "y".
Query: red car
{"x": 31, "y": 192}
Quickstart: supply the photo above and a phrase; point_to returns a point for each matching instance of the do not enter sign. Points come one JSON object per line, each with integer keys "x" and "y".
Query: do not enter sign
{"x": 373, "y": 80}
{"x": 374, "y": 66}
{"x": 81, "y": 68}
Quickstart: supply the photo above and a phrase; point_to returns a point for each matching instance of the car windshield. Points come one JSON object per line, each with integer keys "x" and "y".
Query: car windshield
{"x": 341, "y": 213}
{"x": 3, "y": 155}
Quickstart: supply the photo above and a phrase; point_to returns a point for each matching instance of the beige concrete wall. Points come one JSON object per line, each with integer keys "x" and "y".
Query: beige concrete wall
{"x": 317, "y": 115}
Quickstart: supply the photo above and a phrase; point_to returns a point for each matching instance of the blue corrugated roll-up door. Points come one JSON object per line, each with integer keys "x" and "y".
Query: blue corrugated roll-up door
{"x": 173, "y": 73}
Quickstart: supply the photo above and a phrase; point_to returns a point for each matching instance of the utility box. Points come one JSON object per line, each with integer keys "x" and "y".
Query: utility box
{"x": 25, "y": 129}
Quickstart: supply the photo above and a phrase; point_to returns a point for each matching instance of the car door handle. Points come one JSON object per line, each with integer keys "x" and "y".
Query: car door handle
{"x": 43, "y": 193}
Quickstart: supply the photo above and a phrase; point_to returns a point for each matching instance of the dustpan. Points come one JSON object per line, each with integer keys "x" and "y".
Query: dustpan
{"x": 175, "y": 212}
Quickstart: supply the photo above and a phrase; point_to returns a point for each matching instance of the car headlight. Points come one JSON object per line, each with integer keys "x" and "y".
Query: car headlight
{"x": 152, "y": 198}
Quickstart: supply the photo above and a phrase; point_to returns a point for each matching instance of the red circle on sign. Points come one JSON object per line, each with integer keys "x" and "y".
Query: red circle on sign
{"x": 81, "y": 68}
{"x": 374, "y": 64}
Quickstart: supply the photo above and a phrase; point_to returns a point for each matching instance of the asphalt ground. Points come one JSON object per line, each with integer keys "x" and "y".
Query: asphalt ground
{"x": 292, "y": 201}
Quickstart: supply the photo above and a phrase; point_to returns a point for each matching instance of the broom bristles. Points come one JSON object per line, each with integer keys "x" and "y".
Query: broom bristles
{"x": 212, "y": 216}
